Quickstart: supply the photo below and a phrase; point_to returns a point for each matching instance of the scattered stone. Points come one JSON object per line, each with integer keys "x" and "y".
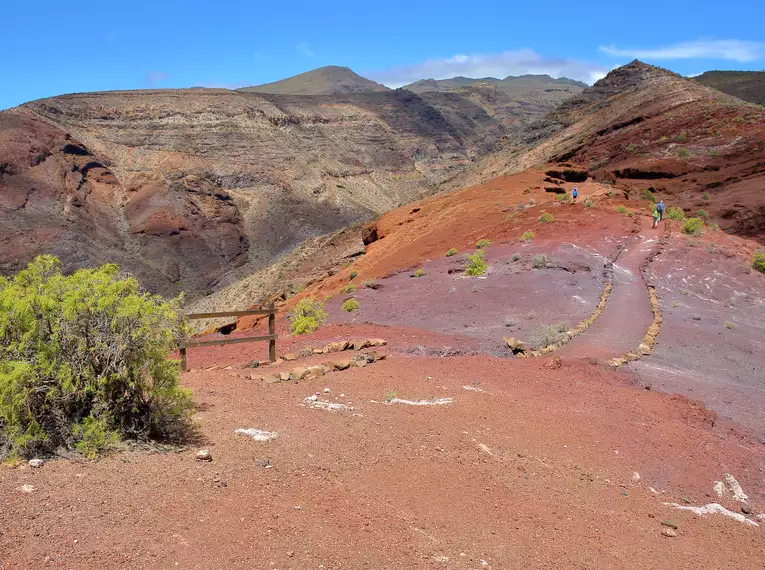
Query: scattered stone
{"x": 284, "y": 376}
{"x": 36, "y": 463}
{"x": 635, "y": 477}
{"x": 761, "y": 517}
{"x": 485, "y": 448}
{"x": 360, "y": 362}
{"x": 671, "y": 523}
{"x": 257, "y": 434}
{"x": 436, "y": 402}
{"x": 553, "y": 363}
{"x": 317, "y": 370}
{"x": 339, "y": 365}
{"x": 298, "y": 373}
{"x": 735, "y": 489}
{"x": 264, "y": 463}
{"x": 376, "y": 342}
{"x": 203, "y": 455}
{"x": 290, "y": 357}
{"x": 515, "y": 345}
{"x": 255, "y": 364}
{"x": 336, "y": 346}
{"x": 669, "y": 532}
{"x": 746, "y": 508}
{"x": 304, "y": 352}
{"x": 318, "y": 351}
{"x": 326, "y": 390}
{"x": 719, "y": 488}
{"x": 375, "y": 355}
{"x": 644, "y": 349}
{"x": 358, "y": 345}
{"x": 26, "y": 488}
{"x": 271, "y": 378}
{"x": 714, "y": 508}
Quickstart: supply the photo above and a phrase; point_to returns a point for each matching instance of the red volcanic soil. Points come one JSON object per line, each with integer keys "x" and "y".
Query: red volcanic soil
{"x": 524, "y": 468}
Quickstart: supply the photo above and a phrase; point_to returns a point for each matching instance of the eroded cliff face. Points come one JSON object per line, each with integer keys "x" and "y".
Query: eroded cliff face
{"x": 190, "y": 189}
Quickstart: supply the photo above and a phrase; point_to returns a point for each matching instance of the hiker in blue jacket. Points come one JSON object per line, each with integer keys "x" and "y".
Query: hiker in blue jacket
{"x": 660, "y": 209}
{"x": 574, "y": 194}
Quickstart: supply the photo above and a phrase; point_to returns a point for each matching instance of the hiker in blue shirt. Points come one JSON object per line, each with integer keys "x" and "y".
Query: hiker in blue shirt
{"x": 574, "y": 194}
{"x": 660, "y": 209}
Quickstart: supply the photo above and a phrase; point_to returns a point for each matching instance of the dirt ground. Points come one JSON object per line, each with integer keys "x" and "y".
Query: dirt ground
{"x": 522, "y": 468}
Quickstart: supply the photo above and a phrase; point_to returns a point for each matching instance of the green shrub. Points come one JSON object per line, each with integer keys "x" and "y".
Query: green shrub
{"x": 307, "y": 316}
{"x": 475, "y": 264}
{"x": 706, "y": 196}
{"x": 540, "y": 261}
{"x": 545, "y": 218}
{"x": 370, "y": 284}
{"x": 631, "y": 148}
{"x": 83, "y": 362}
{"x": 662, "y": 139}
{"x": 730, "y": 325}
{"x": 693, "y": 226}
{"x": 683, "y": 153}
{"x": 350, "y": 305}
{"x": 713, "y": 153}
{"x": 682, "y": 137}
{"x": 702, "y": 214}
{"x": 621, "y": 209}
{"x": 353, "y": 275}
{"x": 549, "y": 335}
{"x": 648, "y": 195}
{"x": 675, "y": 213}
{"x": 527, "y": 191}
{"x": 451, "y": 252}
{"x": 419, "y": 273}
{"x": 482, "y": 243}
{"x": 758, "y": 261}
{"x": 589, "y": 203}
{"x": 563, "y": 197}
{"x": 348, "y": 289}
{"x": 527, "y": 236}
{"x": 516, "y": 257}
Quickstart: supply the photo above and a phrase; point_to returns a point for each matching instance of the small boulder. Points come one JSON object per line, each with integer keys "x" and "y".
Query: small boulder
{"x": 374, "y": 356}
{"x": 669, "y": 532}
{"x": 360, "y": 362}
{"x": 336, "y": 346}
{"x": 271, "y": 378}
{"x": 339, "y": 365}
{"x": 298, "y": 373}
{"x": 671, "y": 523}
{"x": 304, "y": 352}
{"x": 376, "y": 342}
{"x": 290, "y": 357}
{"x": 318, "y": 351}
{"x": 515, "y": 345}
{"x": 745, "y": 508}
{"x": 284, "y": 376}
{"x": 644, "y": 349}
{"x": 358, "y": 345}
{"x": 553, "y": 363}
{"x": 203, "y": 455}
{"x": 36, "y": 463}
{"x": 255, "y": 364}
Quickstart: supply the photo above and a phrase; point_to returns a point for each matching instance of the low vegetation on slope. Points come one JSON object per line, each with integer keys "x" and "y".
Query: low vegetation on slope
{"x": 83, "y": 362}
{"x": 746, "y": 85}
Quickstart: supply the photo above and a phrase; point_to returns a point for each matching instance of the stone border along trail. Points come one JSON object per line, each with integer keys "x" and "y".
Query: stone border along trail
{"x": 631, "y": 318}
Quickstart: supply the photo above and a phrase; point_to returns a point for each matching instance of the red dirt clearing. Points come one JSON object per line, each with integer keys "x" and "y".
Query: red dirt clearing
{"x": 523, "y": 469}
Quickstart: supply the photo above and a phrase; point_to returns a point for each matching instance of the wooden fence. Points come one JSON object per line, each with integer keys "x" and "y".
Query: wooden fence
{"x": 270, "y": 337}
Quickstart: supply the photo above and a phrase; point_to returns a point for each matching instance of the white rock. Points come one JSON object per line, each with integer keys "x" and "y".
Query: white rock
{"x": 326, "y": 390}
{"x": 312, "y": 398}
{"x": 257, "y": 434}
{"x": 203, "y": 455}
{"x": 735, "y": 489}
{"x": 635, "y": 477}
{"x": 436, "y": 402}
{"x": 714, "y": 508}
{"x": 36, "y": 463}
{"x": 719, "y": 488}
{"x": 26, "y": 488}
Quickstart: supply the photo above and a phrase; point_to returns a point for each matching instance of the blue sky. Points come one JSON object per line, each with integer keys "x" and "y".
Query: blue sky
{"x": 53, "y": 47}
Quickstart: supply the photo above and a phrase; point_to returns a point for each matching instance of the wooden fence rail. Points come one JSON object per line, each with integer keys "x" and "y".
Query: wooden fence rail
{"x": 270, "y": 337}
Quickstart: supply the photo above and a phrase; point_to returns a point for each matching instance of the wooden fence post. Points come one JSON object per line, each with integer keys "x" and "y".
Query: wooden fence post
{"x": 183, "y": 358}
{"x": 271, "y": 331}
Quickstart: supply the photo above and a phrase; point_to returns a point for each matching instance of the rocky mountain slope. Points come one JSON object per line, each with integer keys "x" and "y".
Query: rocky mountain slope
{"x": 746, "y": 85}
{"x": 322, "y": 81}
{"x": 644, "y": 127}
{"x": 510, "y": 85}
{"x": 189, "y": 189}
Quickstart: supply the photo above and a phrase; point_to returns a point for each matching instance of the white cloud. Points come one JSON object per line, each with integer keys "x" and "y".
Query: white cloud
{"x": 303, "y": 48}
{"x": 498, "y": 65}
{"x": 155, "y": 77}
{"x": 731, "y": 50}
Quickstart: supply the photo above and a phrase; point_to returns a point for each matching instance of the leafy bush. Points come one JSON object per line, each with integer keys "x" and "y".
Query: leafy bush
{"x": 348, "y": 289}
{"x": 353, "y": 275}
{"x": 621, "y": 209}
{"x": 683, "y": 153}
{"x": 307, "y": 316}
{"x": 83, "y": 362}
{"x": 549, "y": 335}
{"x": 758, "y": 261}
{"x": 482, "y": 243}
{"x": 631, "y": 148}
{"x": 516, "y": 257}
{"x": 706, "y": 196}
{"x": 682, "y": 137}
{"x": 702, "y": 214}
{"x": 419, "y": 273}
{"x": 675, "y": 213}
{"x": 475, "y": 264}
{"x": 730, "y": 325}
{"x": 350, "y": 305}
{"x": 527, "y": 236}
{"x": 563, "y": 198}
{"x": 451, "y": 252}
{"x": 370, "y": 284}
{"x": 541, "y": 260}
{"x": 693, "y": 226}
{"x": 648, "y": 195}
{"x": 545, "y": 218}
